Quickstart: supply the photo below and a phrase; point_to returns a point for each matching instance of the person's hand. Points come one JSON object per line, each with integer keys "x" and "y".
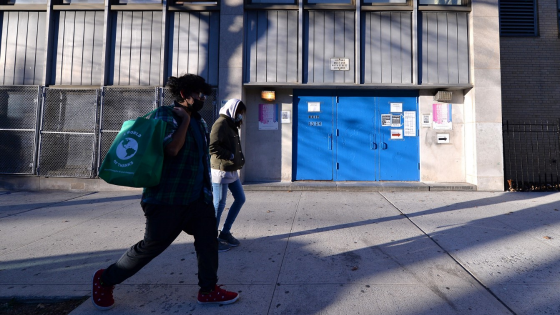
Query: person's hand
{"x": 182, "y": 113}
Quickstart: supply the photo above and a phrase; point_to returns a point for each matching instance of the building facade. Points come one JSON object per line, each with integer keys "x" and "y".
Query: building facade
{"x": 396, "y": 90}
{"x": 530, "y": 65}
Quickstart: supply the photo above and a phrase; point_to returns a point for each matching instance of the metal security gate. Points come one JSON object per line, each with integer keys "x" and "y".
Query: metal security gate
{"x": 531, "y": 155}
{"x": 119, "y": 105}
{"x": 19, "y": 107}
{"x": 68, "y": 134}
{"x": 353, "y": 136}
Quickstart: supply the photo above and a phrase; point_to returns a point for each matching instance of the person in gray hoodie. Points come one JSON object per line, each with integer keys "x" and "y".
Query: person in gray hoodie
{"x": 225, "y": 160}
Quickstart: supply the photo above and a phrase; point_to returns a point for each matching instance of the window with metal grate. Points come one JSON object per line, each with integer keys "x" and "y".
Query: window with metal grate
{"x": 518, "y": 18}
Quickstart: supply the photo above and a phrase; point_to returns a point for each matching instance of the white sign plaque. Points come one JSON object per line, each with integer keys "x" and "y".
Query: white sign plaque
{"x": 286, "y": 117}
{"x": 313, "y": 107}
{"x": 386, "y": 120}
{"x": 426, "y": 120}
{"x": 396, "y": 107}
{"x": 396, "y": 134}
{"x": 338, "y": 64}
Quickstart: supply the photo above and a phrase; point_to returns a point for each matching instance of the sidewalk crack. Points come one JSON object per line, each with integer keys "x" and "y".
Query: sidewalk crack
{"x": 284, "y": 255}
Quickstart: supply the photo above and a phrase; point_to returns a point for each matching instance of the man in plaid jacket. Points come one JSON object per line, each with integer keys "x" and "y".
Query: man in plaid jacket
{"x": 182, "y": 201}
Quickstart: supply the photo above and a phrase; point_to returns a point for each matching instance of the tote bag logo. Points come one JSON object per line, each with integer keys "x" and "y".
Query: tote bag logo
{"x": 135, "y": 158}
{"x": 127, "y": 148}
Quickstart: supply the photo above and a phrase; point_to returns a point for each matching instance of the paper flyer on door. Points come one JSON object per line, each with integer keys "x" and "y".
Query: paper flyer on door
{"x": 442, "y": 117}
{"x": 268, "y": 116}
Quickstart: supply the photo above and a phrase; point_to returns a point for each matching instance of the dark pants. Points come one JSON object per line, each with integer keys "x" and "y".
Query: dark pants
{"x": 163, "y": 224}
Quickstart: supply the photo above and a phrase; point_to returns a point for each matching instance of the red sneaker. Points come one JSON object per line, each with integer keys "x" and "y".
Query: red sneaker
{"x": 218, "y": 296}
{"x": 101, "y": 296}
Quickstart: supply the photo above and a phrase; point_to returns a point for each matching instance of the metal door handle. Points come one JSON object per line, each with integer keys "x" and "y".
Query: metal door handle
{"x": 384, "y": 146}
{"x": 372, "y": 144}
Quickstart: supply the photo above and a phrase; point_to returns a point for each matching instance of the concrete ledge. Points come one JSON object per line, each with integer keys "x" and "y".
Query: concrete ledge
{"x": 36, "y": 183}
{"x": 356, "y": 186}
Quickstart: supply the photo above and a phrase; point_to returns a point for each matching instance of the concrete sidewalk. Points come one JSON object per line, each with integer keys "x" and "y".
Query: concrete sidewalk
{"x": 302, "y": 252}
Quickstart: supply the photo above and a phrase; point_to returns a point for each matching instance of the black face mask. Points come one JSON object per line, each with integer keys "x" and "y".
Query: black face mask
{"x": 196, "y": 106}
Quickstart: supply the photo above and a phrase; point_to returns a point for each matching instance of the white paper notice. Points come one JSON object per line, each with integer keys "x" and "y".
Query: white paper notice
{"x": 409, "y": 124}
{"x": 396, "y": 107}
{"x": 313, "y": 107}
{"x": 285, "y": 117}
{"x": 386, "y": 120}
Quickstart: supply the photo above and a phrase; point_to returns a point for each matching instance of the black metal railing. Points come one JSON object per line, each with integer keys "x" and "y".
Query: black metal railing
{"x": 531, "y": 155}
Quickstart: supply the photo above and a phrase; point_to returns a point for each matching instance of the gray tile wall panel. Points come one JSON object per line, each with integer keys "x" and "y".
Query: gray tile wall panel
{"x": 22, "y": 47}
{"x": 194, "y": 44}
{"x": 282, "y": 41}
{"x": 452, "y": 56}
{"x": 86, "y": 62}
{"x": 192, "y": 48}
{"x": 385, "y": 53}
{"x": 31, "y": 50}
{"x": 387, "y": 47}
{"x": 10, "y": 48}
{"x": 78, "y": 50}
{"x": 251, "y": 47}
{"x": 292, "y": 47}
{"x": 262, "y": 30}
{"x": 3, "y": 43}
{"x": 445, "y": 56}
{"x": 442, "y": 48}
{"x": 463, "y": 48}
{"x": 271, "y": 48}
{"x": 154, "y": 58}
{"x": 203, "y": 37}
{"x": 139, "y": 21}
{"x": 406, "y": 48}
{"x": 331, "y": 35}
{"x": 213, "y": 46}
{"x": 349, "y": 47}
{"x": 137, "y": 48}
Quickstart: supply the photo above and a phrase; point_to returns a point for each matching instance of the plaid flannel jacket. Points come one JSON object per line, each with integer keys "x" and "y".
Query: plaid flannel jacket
{"x": 179, "y": 172}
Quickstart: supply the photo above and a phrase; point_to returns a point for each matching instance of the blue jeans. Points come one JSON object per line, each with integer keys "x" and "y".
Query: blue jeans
{"x": 220, "y": 195}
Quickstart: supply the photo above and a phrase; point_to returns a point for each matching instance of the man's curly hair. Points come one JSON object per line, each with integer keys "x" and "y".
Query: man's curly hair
{"x": 188, "y": 84}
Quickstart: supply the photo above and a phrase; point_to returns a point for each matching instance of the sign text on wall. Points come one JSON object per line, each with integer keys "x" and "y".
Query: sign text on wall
{"x": 338, "y": 64}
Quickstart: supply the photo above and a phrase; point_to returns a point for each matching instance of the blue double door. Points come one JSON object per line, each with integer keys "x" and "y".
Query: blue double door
{"x": 356, "y": 136}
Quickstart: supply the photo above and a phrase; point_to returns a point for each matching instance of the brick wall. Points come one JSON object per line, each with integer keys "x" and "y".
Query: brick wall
{"x": 531, "y": 70}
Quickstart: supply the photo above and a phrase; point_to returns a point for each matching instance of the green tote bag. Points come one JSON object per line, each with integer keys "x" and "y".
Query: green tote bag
{"x": 135, "y": 158}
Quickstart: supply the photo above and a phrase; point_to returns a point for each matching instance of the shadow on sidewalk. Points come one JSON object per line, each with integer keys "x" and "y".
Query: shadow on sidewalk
{"x": 320, "y": 276}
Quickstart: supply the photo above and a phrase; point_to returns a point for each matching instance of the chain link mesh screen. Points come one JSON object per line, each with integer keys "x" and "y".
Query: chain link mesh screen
{"x": 68, "y": 135}
{"x": 120, "y": 105}
{"x": 210, "y": 110}
{"x": 66, "y": 155}
{"x": 18, "y": 129}
{"x": 17, "y": 149}
{"x": 70, "y": 110}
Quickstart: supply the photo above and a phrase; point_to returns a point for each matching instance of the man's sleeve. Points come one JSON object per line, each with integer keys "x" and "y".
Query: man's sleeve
{"x": 166, "y": 115}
